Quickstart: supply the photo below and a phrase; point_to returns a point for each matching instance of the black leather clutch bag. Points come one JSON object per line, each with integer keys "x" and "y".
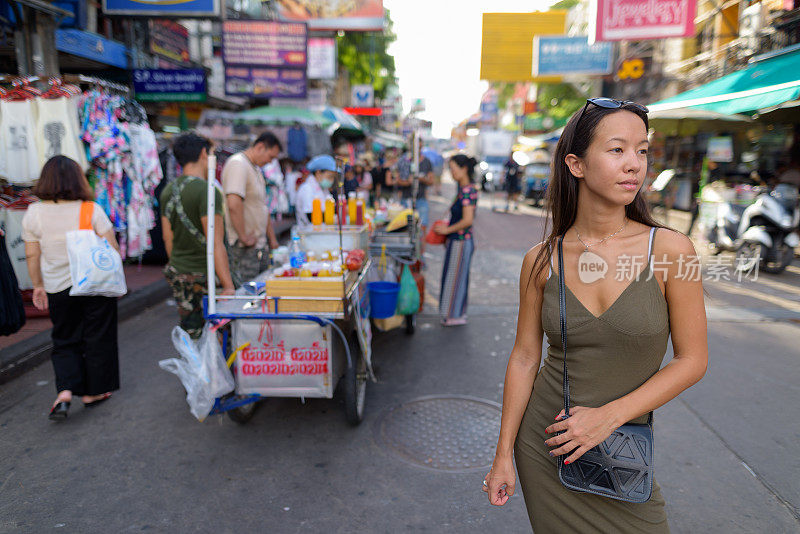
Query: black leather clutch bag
{"x": 621, "y": 467}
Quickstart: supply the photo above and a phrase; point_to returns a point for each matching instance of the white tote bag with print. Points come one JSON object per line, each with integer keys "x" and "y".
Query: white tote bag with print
{"x": 94, "y": 265}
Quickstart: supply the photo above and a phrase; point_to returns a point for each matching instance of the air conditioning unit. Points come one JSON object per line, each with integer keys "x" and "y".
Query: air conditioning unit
{"x": 751, "y": 20}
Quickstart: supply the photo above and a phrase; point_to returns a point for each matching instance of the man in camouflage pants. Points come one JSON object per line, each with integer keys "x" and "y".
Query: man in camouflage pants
{"x": 188, "y": 291}
{"x": 185, "y": 228}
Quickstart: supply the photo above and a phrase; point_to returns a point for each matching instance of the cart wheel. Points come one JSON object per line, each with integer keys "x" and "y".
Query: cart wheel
{"x": 411, "y": 323}
{"x": 355, "y": 387}
{"x": 243, "y": 414}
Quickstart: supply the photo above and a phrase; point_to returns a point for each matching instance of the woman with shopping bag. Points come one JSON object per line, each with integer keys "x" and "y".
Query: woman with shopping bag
{"x": 84, "y": 354}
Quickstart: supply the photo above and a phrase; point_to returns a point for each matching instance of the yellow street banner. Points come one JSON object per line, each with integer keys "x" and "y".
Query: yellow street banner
{"x": 507, "y": 47}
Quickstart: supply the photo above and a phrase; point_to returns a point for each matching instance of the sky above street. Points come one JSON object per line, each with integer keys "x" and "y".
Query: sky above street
{"x": 438, "y": 53}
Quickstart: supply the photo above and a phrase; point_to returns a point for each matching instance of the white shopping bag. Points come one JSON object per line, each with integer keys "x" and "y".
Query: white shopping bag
{"x": 94, "y": 265}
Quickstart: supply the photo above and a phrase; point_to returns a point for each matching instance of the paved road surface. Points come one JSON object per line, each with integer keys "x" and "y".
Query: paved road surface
{"x": 726, "y": 450}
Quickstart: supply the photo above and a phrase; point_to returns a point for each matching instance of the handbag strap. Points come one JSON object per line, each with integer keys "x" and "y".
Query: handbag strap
{"x": 562, "y": 307}
{"x": 85, "y": 217}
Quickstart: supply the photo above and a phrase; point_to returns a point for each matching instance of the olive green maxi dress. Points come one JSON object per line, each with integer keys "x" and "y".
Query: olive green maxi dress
{"x": 608, "y": 357}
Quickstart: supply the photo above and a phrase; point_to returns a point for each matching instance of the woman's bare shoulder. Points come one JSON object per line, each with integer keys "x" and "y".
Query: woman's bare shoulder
{"x": 672, "y": 243}
{"x": 529, "y": 265}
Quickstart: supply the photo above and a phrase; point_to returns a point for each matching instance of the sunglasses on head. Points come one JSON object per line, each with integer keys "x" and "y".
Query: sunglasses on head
{"x": 610, "y": 103}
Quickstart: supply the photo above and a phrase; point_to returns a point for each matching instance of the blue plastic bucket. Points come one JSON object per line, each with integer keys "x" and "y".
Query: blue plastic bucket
{"x": 382, "y": 299}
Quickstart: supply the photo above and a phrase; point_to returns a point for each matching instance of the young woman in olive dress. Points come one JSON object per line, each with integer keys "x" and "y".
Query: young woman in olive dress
{"x": 618, "y": 326}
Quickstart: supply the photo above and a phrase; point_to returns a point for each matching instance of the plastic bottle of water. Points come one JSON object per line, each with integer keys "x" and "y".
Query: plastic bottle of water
{"x": 296, "y": 254}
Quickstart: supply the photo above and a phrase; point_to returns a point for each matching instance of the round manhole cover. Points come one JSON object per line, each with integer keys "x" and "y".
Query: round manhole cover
{"x": 443, "y": 433}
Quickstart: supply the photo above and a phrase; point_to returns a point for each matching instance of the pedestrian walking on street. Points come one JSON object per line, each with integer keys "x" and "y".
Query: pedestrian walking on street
{"x": 460, "y": 243}
{"x": 616, "y": 332}
{"x": 248, "y": 221}
{"x": 184, "y": 222}
{"x": 512, "y": 185}
{"x": 85, "y": 354}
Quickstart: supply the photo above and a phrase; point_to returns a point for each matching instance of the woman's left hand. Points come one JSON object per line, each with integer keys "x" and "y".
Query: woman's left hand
{"x": 584, "y": 429}
{"x": 441, "y": 229}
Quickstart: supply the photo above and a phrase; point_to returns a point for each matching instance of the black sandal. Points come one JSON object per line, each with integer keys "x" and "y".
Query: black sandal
{"x": 59, "y": 411}
{"x": 92, "y": 404}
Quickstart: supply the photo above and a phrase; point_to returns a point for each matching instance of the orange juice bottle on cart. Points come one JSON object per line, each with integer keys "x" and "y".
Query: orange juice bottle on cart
{"x": 330, "y": 208}
{"x": 316, "y": 212}
{"x": 351, "y": 207}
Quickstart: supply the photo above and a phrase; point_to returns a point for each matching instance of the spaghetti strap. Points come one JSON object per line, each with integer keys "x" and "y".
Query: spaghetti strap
{"x": 550, "y": 266}
{"x": 650, "y": 244}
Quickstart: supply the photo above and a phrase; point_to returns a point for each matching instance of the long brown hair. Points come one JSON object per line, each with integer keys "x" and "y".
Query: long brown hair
{"x": 561, "y": 201}
{"x": 62, "y": 179}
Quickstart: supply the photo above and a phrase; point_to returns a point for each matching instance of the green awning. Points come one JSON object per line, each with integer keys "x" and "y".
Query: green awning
{"x": 763, "y": 84}
{"x": 283, "y": 115}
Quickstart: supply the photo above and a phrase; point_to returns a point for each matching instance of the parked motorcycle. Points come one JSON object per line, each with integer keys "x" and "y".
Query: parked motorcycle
{"x": 763, "y": 233}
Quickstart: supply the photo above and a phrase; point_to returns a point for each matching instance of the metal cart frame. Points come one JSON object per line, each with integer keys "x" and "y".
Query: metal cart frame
{"x": 355, "y": 369}
{"x": 404, "y": 249}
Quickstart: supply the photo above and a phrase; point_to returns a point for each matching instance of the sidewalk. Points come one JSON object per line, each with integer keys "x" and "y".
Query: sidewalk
{"x": 31, "y": 345}
{"x": 146, "y": 287}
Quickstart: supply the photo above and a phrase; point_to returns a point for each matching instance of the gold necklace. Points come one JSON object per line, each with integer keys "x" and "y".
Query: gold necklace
{"x": 602, "y": 240}
{"x": 592, "y": 267}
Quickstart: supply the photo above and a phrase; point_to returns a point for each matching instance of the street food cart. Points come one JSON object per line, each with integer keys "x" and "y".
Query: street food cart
{"x": 401, "y": 247}
{"x": 296, "y": 336}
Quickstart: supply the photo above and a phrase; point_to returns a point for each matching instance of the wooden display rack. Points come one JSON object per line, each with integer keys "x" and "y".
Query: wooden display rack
{"x": 310, "y": 294}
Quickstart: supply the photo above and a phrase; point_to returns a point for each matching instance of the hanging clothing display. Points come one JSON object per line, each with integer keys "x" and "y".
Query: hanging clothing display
{"x": 57, "y": 130}
{"x": 125, "y": 166}
{"x": 106, "y": 134}
{"x": 19, "y": 163}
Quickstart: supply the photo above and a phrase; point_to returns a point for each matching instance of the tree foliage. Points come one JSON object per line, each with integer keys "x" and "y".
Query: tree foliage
{"x": 565, "y": 4}
{"x": 367, "y": 60}
{"x": 559, "y": 100}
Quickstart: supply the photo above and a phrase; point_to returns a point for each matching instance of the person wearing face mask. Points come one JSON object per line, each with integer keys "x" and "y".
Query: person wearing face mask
{"x": 323, "y": 172}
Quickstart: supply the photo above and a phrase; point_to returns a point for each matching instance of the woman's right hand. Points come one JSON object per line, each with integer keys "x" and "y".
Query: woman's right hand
{"x": 501, "y": 481}
{"x": 40, "y": 298}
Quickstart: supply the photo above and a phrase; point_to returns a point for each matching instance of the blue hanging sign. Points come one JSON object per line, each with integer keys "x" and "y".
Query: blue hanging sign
{"x": 562, "y": 55}
{"x": 170, "y": 85}
{"x": 92, "y": 46}
{"x": 163, "y": 8}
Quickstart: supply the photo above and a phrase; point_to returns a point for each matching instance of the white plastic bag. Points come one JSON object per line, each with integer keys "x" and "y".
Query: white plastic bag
{"x": 94, "y": 266}
{"x": 202, "y": 369}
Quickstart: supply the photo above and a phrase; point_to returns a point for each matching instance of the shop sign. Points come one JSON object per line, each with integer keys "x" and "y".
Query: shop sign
{"x": 321, "y": 58}
{"x": 633, "y": 20}
{"x": 362, "y": 96}
{"x": 163, "y": 8}
{"x": 169, "y": 40}
{"x": 315, "y": 98}
{"x": 92, "y": 46}
{"x": 720, "y": 149}
{"x": 631, "y": 69}
{"x": 264, "y": 59}
{"x": 557, "y": 55}
{"x": 364, "y": 15}
{"x": 258, "y": 43}
{"x": 170, "y": 85}
{"x": 506, "y": 51}
{"x": 265, "y": 82}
